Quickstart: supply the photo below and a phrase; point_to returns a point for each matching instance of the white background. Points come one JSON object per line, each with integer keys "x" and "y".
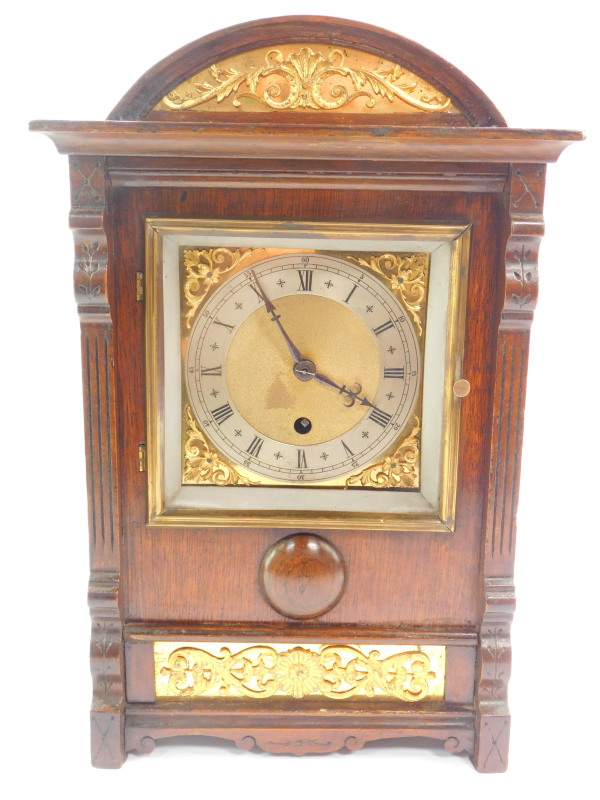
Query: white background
{"x": 74, "y": 60}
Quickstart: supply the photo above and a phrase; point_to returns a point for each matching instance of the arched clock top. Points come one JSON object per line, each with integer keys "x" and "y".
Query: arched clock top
{"x": 331, "y": 66}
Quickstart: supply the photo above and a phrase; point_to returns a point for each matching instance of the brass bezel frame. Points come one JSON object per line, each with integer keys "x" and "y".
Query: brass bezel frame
{"x": 458, "y": 236}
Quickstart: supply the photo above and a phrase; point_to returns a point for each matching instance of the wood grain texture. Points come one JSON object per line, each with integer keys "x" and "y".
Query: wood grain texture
{"x": 297, "y": 733}
{"x": 91, "y": 278}
{"x": 322, "y": 142}
{"x": 199, "y": 575}
{"x": 525, "y": 228}
{"x": 302, "y": 576}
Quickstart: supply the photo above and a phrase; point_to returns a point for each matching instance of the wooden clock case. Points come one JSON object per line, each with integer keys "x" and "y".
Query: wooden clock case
{"x": 397, "y": 163}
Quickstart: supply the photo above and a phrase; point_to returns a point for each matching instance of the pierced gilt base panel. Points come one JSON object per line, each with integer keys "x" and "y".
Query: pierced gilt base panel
{"x": 257, "y": 671}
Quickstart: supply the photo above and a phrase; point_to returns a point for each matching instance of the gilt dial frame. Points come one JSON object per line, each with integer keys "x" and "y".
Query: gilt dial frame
{"x": 428, "y": 435}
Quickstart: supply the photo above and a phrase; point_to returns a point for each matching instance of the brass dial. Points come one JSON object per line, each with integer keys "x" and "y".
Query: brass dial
{"x": 302, "y": 368}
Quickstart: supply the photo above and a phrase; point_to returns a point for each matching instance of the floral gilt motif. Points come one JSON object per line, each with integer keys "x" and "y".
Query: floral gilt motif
{"x": 203, "y": 465}
{"x": 299, "y": 79}
{"x": 260, "y": 671}
{"x": 406, "y": 275}
{"x": 397, "y": 471}
{"x": 204, "y": 269}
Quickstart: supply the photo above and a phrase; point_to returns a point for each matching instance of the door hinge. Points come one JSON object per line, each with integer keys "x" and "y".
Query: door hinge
{"x": 142, "y": 457}
{"x": 139, "y": 286}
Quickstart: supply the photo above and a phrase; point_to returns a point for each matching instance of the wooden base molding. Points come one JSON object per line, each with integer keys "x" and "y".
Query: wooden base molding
{"x": 297, "y": 736}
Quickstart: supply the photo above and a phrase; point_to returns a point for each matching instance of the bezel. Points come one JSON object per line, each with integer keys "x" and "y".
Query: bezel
{"x": 430, "y": 508}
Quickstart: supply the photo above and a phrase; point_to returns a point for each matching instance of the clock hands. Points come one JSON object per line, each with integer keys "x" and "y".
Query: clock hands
{"x": 276, "y": 318}
{"x": 304, "y": 369}
{"x": 352, "y": 395}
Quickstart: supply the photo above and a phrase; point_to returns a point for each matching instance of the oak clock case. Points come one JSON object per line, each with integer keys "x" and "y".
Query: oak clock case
{"x": 306, "y": 270}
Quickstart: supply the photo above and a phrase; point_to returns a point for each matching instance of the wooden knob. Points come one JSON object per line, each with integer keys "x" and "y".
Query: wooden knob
{"x": 302, "y": 576}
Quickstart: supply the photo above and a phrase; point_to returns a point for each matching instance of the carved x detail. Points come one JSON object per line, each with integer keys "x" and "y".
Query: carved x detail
{"x": 86, "y": 183}
{"x": 495, "y": 739}
{"x": 527, "y": 184}
{"x": 103, "y": 734}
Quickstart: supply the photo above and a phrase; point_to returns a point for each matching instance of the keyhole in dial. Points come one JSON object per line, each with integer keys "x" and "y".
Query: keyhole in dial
{"x": 302, "y": 425}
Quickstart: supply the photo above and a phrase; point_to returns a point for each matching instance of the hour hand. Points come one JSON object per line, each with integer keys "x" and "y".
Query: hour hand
{"x": 352, "y": 394}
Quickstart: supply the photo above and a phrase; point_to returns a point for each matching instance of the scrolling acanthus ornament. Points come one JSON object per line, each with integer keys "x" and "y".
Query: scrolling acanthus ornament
{"x": 296, "y": 81}
{"x": 203, "y": 465}
{"x": 204, "y": 270}
{"x": 261, "y": 671}
{"x": 397, "y": 471}
{"x": 406, "y": 275}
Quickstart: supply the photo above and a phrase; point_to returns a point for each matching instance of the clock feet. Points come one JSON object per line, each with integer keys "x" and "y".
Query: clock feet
{"x": 107, "y": 738}
{"x": 491, "y": 743}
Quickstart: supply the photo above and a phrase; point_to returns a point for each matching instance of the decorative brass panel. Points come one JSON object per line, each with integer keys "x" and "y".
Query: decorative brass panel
{"x": 400, "y": 470}
{"x": 298, "y": 77}
{"x": 406, "y": 275}
{"x": 205, "y": 269}
{"x": 232, "y": 669}
{"x": 201, "y": 464}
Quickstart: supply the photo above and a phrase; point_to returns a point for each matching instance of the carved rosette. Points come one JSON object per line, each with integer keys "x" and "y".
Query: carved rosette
{"x": 261, "y": 671}
{"x": 201, "y": 464}
{"x": 305, "y": 78}
{"x": 397, "y": 471}
{"x": 205, "y": 269}
{"x": 406, "y": 275}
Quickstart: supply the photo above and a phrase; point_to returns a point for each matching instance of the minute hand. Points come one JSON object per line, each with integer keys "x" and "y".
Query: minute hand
{"x": 275, "y": 318}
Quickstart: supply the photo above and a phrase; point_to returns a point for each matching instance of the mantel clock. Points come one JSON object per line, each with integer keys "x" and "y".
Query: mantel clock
{"x": 306, "y": 268}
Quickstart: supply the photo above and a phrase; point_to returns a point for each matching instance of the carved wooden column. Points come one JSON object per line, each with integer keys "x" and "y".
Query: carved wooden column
{"x": 520, "y": 294}
{"x": 91, "y": 292}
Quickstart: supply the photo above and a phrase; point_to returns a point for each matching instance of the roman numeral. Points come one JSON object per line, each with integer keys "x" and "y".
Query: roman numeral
{"x": 258, "y": 294}
{"x": 380, "y": 417}
{"x": 385, "y": 326}
{"x": 255, "y": 446}
{"x": 224, "y": 324}
{"x": 347, "y": 449}
{"x": 306, "y": 276}
{"x": 222, "y": 413}
{"x": 301, "y": 459}
{"x": 393, "y": 372}
{"x": 217, "y": 371}
{"x": 354, "y": 288}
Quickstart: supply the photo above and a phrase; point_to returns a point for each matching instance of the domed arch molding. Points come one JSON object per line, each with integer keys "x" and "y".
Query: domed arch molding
{"x": 305, "y": 66}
